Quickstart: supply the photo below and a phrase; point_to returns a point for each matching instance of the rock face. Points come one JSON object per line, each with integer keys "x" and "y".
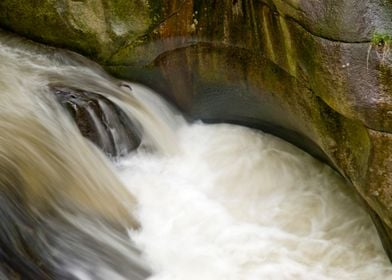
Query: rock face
{"x": 311, "y": 71}
{"x": 95, "y": 28}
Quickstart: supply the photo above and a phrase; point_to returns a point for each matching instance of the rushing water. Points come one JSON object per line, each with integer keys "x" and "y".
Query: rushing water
{"x": 212, "y": 201}
{"x": 241, "y": 204}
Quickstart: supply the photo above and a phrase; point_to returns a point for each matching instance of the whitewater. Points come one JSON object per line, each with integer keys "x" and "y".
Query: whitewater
{"x": 236, "y": 203}
{"x": 193, "y": 202}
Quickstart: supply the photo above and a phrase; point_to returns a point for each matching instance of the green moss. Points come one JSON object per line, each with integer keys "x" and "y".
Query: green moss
{"x": 382, "y": 43}
{"x": 156, "y": 11}
{"x": 381, "y": 39}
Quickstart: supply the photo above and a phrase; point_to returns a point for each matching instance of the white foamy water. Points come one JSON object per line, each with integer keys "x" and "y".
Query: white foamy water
{"x": 240, "y": 204}
{"x": 214, "y": 201}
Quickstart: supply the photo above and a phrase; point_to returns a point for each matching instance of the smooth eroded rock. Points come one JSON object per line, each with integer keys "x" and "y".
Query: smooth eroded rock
{"x": 99, "y": 120}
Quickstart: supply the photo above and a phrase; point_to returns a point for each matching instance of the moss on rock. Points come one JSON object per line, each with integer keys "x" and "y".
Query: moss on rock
{"x": 94, "y": 28}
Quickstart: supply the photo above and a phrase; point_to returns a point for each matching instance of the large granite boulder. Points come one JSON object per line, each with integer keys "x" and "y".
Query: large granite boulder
{"x": 317, "y": 73}
{"x": 95, "y": 28}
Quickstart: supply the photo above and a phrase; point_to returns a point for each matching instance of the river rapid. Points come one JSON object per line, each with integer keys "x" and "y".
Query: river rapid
{"x": 236, "y": 203}
{"x": 194, "y": 201}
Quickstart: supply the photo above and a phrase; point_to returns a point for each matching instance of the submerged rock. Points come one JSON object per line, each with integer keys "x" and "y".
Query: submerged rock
{"x": 99, "y": 120}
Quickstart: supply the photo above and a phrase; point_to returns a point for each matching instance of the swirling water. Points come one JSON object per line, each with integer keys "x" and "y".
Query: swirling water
{"x": 213, "y": 201}
{"x": 241, "y": 204}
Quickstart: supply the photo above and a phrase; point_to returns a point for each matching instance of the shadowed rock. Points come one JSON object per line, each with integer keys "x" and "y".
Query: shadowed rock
{"x": 99, "y": 120}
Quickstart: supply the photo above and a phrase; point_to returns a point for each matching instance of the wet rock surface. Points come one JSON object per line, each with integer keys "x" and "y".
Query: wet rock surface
{"x": 94, "y": 28}
{"x": 99, "y": 120}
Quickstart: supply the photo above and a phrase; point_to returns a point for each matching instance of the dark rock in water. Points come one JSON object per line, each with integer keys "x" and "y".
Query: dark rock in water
{"x": 99, "y": 120}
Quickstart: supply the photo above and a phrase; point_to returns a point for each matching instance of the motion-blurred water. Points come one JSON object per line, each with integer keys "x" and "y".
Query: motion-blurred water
{"x": 240, "y": 204}
{"x": 212, "y": 201}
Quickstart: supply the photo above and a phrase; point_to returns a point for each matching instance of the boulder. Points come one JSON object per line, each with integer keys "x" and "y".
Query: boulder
{"x": 94, "y": 28}
{"x": 99, "y": 120}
